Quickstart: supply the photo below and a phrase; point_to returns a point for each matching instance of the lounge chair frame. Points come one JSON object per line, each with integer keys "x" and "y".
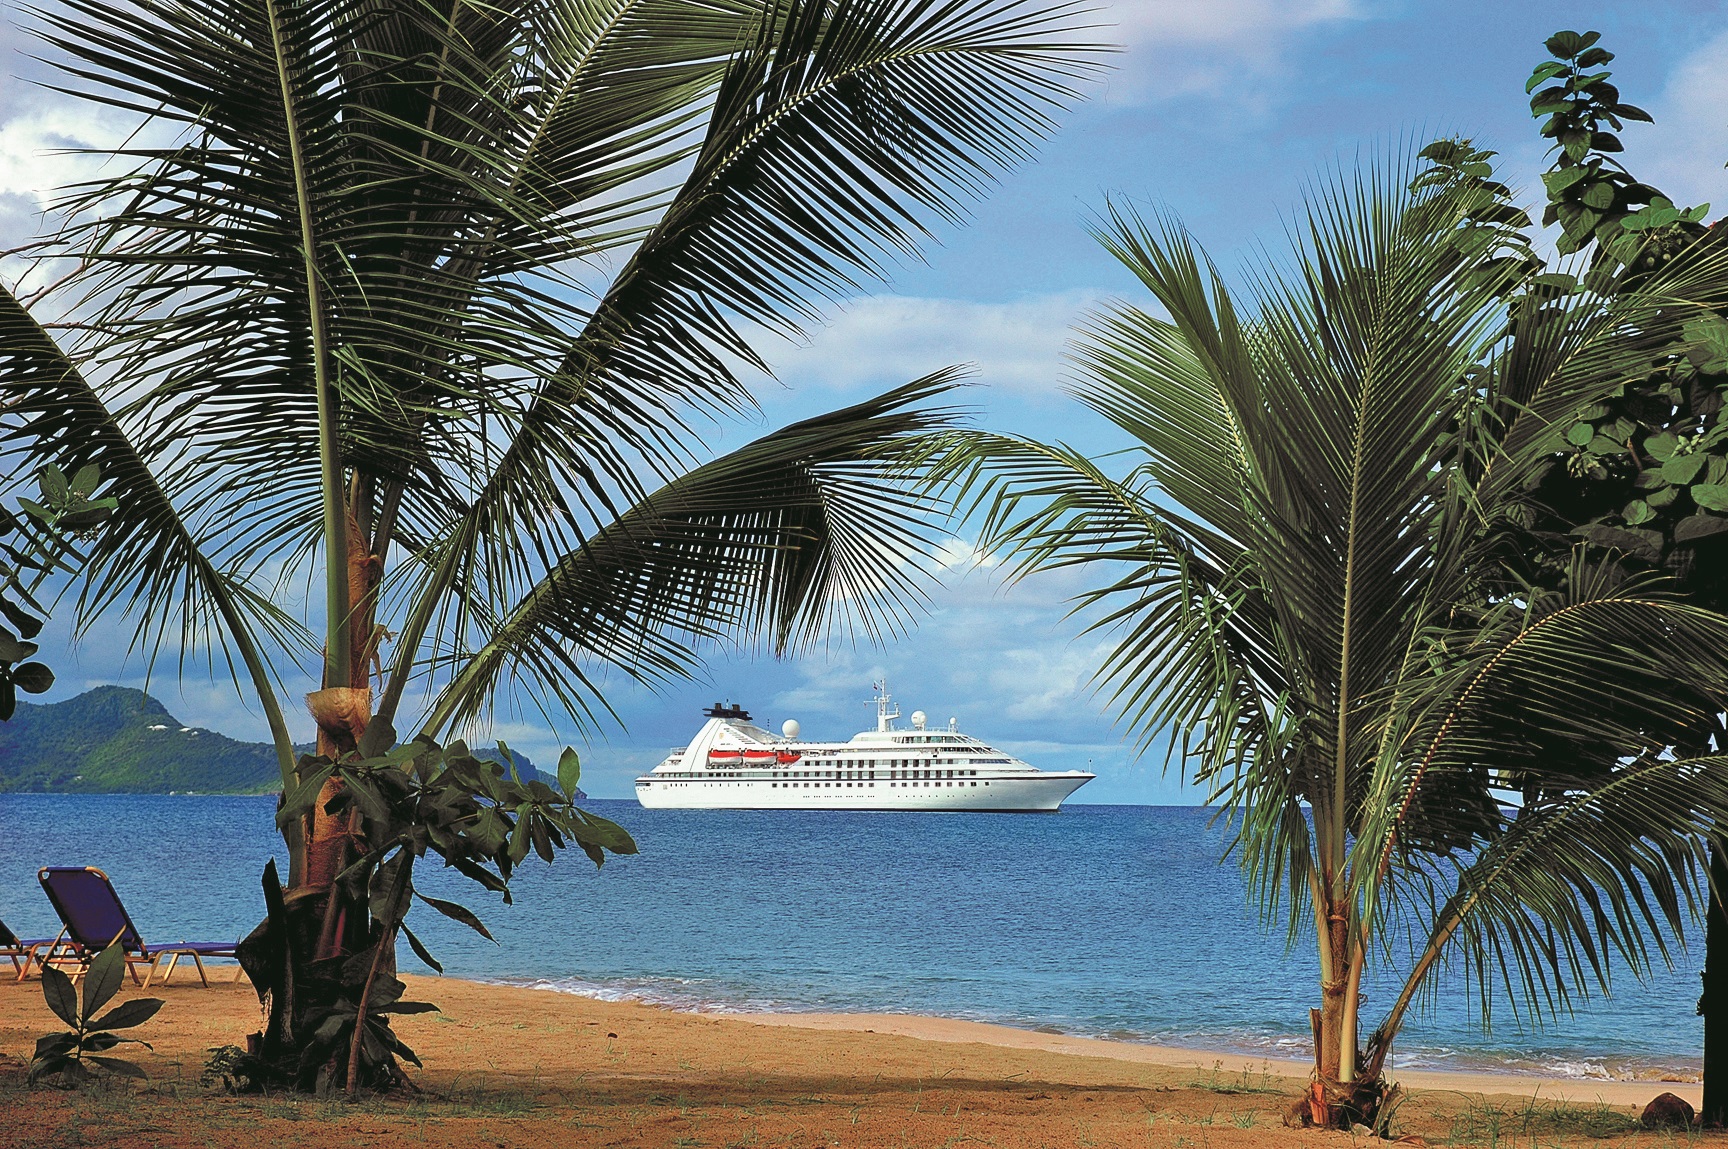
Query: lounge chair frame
{"x": 29, "y": 951}
{"x": 71, "y": 949}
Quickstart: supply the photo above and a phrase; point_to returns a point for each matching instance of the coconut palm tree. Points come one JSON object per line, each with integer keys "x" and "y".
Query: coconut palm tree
{"x": 432, "y": 303}
{"x": 1418, "y": 753}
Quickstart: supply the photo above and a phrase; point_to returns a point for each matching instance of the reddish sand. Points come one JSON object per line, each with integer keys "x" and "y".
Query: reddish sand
{"x": 520, "y": 1067}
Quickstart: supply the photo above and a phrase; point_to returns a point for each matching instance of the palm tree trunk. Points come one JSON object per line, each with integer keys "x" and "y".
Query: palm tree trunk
{"x": 321, "y": 921}
{"x": 1341, "y": 1095}
{"x": 1713, "y": 1005}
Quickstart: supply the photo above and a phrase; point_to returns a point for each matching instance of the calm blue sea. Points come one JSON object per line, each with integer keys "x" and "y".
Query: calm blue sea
{"x": 1114, "y": 921}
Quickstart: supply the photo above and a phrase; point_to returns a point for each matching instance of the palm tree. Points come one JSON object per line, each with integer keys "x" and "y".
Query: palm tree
{"x": 432, "y": 302}
{"x": 1416, "y": 753}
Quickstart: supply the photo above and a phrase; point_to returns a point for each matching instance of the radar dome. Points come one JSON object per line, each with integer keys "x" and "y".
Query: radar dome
{"x": 790, "y": 728}
{"x": 919, "y": 718}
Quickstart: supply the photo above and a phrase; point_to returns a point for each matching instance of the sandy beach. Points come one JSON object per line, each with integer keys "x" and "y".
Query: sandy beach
{"x": 508, "y": 1066}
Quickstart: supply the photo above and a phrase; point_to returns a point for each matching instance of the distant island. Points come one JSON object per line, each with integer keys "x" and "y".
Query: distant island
{"x": 117, "y": 740}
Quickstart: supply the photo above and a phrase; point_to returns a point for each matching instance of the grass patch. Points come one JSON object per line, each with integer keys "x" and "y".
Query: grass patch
{"x": 1247, "y": 1081}
{"x": 1541, "y": 1124}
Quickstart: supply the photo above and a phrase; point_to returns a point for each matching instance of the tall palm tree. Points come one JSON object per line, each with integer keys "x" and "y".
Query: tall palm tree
{"x": 1417, "y": 753}
{"x": 431, "y": 302}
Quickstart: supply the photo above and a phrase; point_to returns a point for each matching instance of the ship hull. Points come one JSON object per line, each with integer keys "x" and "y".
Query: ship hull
{"x": 1042, "y": 793}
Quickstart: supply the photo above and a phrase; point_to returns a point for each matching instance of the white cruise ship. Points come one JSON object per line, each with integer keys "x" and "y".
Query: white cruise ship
{"x": 733, "y": 764}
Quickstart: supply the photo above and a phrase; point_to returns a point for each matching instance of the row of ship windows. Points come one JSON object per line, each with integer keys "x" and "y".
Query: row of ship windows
{"x": 860, "y": 785}
{"x": 840, "y": 774}
{"x": 898, "y": 763}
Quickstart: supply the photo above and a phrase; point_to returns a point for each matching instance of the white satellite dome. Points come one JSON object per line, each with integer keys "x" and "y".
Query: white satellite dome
{"x": 790, "y": 728}
{"x": 919, "y": 718}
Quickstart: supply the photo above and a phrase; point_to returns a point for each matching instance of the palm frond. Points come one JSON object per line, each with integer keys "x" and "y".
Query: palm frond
{"x": 143, "y": 559}
{"x": 814, "y": 525}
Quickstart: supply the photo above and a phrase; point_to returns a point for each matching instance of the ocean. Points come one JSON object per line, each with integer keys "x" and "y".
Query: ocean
{"x": 1107, "y": 921}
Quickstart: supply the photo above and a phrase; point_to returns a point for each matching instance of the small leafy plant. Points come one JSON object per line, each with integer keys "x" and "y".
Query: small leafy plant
{"x": 35, "y": 543}
{"x": 69, "y": 1056}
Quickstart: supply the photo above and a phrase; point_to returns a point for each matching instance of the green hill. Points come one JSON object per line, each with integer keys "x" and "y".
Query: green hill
{"x": 116, "y": 740}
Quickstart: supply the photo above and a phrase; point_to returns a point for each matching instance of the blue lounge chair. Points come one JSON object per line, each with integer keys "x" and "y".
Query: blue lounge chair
{"x": 95, "y": 919}
{"x": 28, "y": 950}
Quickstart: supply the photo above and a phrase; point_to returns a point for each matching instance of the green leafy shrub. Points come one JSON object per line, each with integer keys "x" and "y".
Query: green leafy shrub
{"x": 69, "y": 1055}
{"x": 33, "y": 545}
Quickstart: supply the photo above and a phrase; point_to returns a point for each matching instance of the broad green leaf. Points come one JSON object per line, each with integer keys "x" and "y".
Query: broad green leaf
{"x": 85, "y": 482}
{"x": 569, "y": 771}
{"x": 54, "y": 1044}
{"x": 379, "y": 737}
{"x": 1643, "y": 543}
{"x": 51, "y": 1065}
{"x": 33, "y": 677}
{"x": 1707, "y": 339}
{"x": 420, "y": 950}
{"x": 1637, "y": 511}
{"x": 104, "y": 978}
{"x": 519, "y": 843}
{"x": 1605, "y": 445}
{"x": 304, "y": 796}
{"x": 1544, "y": 72}
{"x": 406, "y": 1007}
{"x": 129, "y": 1013}
{"x": 457, "y": 913}
{"x": 1682, "y": 469}
{"x": 55, "y": 489}
{"x": 609, "y": 833}
{"x": 333, "y": 1025}
{"x": 1599, "y": 195}
{"x": 118, "y": 1065}
{"x": 36, "y": 510}
{"x": 1661, "y": 445}
{"x": 364, "y": 791}
{"x": 1699, "y": 526}
{"x": 1710, "y": 496}
{"x": 28, "y": 625}
{"x": 61, "y": 997}
{"x": 1580, "y": 434}
{"x": 538, "y": 835}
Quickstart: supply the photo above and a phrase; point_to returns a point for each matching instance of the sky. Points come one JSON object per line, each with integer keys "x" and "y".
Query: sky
{"x": 1220, "y": 111}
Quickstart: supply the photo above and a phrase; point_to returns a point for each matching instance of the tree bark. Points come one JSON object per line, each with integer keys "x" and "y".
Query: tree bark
{"x": 1343, "y": 1092}
{"x": 318, "y": 922}
{"x": 1713, "y": 1005}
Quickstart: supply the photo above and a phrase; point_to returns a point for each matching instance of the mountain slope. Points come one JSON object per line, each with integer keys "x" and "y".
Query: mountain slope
{"x": 116, "y": 740}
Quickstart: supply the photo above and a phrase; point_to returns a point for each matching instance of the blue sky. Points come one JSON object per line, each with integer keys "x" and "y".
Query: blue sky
{"x": 1220, "y": 111}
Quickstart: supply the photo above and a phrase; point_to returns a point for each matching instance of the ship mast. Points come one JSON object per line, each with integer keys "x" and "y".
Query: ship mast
{"x": 884, "y": 718}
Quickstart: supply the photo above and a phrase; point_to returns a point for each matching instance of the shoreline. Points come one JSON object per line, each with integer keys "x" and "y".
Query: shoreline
{"x": 1488, "y": 1082}
{"x": 508, "y": 1065}
{"x": 926, "y": 1027}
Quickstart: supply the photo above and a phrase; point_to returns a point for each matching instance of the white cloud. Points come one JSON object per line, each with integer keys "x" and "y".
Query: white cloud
{"x": 1183, "y": 47}
{"x": 1049, "y": 681}
{"x": 881, "y": 340}
{"x": 960, "y": 555}
{"x": 44, "y": 148}
{"x": 1684, "y": 152}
